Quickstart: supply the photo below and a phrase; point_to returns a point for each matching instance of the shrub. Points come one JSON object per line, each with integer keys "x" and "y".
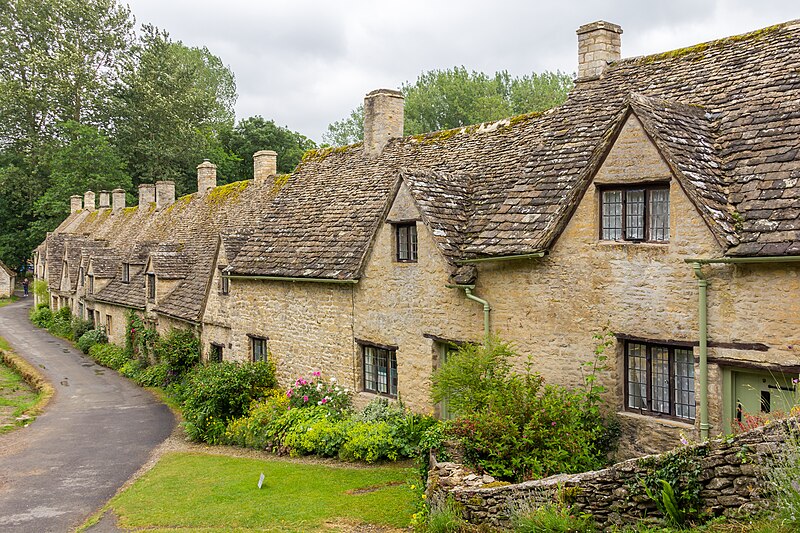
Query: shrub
{"x": 219, "y": 392}
{"x": 90, "y": 338}
{"x": 318, "y": 392}
{"x": 515, "y": 427}
{"x": 154, "y": 376}
{"x": 41, "y": 291}
{"x": 109, "y": 355}
{"x": 264, "y": 426}
{"x": 132, "y": 369}
{"x": 79, "y": 326}
{"x": 781, "y": 473}
{"x": 42, "y": 316}
{"x": 370, "y": 442}
{"x": 179, "y": 350}
{"x": 445, "y": 517}
{"x": 61, "y": 325}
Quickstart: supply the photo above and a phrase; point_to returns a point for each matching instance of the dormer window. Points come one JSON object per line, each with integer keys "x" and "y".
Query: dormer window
{"x": 126, "y": 273}
{"x": 635, "y": 214}
{"x": 81, "y": 279}
{"x": 91, "y": 284}
{"x": 151, "y": 287}
{"x": 406, "y": 242}
{"x": 224, "y": 285}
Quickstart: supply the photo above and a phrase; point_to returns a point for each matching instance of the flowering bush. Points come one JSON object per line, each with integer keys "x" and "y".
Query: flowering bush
{"x": 318, "y": 392}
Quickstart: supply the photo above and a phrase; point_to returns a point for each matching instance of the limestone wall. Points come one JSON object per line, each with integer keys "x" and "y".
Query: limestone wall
{"x": 6, "y": 285}
{"x": 728, "y": 474}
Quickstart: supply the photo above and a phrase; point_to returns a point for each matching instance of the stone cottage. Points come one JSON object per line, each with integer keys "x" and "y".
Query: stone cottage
{"x": 8, "y": 279}
{"x": 661, "y": 201}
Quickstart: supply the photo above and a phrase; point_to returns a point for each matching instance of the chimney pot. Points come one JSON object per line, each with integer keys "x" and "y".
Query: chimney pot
{"x": 206, "y": 176}
{"x": 75, "y": 203}
{"x": 118, "y": 199}
{"x": 598, "y": 45}
{"x": 265, "y": 166}
{"x": 383, "y": 119}
{"x": 105, "y": 199}
{"x": 165, "y": 194}
{"x": 88, "y": 200}
{"x": 147, "y": 195}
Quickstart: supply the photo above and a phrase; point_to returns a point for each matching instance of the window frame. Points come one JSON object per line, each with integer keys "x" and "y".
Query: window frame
{"x": 126, "y": 272}
{"x": 411, "y": 248}
{"x": 392, "y": 380}
{"x": 648, "y": 189}
{"x": 649, "y": 410}
{"x": 258, "y": 339}
{"x": 151, "y": 286}
{"x": 224, "y": 285}
{"x": 109, "y": 323}
{"x": 91, "y": 283}
{"x": 219, "y": 349}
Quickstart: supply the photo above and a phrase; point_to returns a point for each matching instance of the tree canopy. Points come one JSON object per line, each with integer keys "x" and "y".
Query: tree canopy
{"x": 444, "y": 99}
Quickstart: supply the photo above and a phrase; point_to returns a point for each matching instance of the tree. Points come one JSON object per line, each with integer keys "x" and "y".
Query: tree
{"x": 444, "y": 99}
{"x": 85, "y": 160}
{"x": 256, "y": 133}
{"x": 18, "y": 192}
{"x": 59, "y": 60}
{"x": 171, "y": 108}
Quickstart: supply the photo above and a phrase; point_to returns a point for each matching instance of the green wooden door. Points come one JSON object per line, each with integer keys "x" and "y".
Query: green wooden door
{"x": 760, "y": 394}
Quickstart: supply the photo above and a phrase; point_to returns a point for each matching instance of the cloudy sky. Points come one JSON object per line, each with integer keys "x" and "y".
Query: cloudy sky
{"x": 306, "y": 63}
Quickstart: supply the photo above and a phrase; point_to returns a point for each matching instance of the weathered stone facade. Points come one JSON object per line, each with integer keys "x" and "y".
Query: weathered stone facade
{"x": 729, "y": 474}
{"x": 7, "y": 281}
{"x": 510, "y": 213}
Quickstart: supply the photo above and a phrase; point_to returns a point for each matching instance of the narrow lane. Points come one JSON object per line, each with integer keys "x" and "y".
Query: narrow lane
{"x": 96, "y": 432}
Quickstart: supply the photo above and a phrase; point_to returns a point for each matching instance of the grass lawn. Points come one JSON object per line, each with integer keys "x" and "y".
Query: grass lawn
{"x": 219, "y": 493}
{"x": 6, "y": 301}
{"x": 16, "y": 397}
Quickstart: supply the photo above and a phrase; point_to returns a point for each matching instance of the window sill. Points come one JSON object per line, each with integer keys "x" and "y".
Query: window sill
{"x": 642, "y": 244}
{"x": 372, "y": 395}
{"x": 669, "y": 422}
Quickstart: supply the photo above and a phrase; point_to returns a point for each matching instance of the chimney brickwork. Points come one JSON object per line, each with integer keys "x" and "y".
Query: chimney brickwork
{"x": 88, "y": 200}
{"x": 206, "y": 176}
{"x": 105, "y": 199}
{"x": 598, "y": 45}
{"x": 75, "y": 203}
{"x": 265, "y": 166}
{"x": 165, "y": 194}
{"x": 118, "y": 199}
{"x": 383, "y": 119}
{"x": 147, "y": 195}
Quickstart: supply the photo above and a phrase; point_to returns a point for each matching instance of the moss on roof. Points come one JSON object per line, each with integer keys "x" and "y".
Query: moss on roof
{"x": 320, "y": 154}
{"x": 224, "y": 193}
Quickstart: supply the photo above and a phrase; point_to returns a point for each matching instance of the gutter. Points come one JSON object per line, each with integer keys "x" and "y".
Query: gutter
{"x": 486, "y": 307}
{"x": 702, "y": 314}
{"x": 282, "y": 278}
{"x": 531, "y": 255}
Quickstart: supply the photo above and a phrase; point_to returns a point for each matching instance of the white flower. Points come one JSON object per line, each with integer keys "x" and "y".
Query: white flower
{"x": 333, "y": 380}
{"x": 319, "y": 386}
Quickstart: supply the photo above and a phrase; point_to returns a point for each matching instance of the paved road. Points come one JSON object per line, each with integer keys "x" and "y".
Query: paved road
{"x": 96, "y": 432}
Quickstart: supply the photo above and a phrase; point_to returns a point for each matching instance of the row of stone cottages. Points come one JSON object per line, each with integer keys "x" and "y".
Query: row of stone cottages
{"x": 661, "y": 200}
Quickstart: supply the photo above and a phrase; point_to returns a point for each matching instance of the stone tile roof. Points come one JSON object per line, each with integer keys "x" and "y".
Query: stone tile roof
{"x": 7, "y": 270}
{"x": 724, "y": 115}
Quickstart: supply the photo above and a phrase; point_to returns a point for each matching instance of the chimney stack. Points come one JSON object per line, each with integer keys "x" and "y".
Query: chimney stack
{"x": 105, "y": 199}
{"x": 598, "y": 45}
{"x": 265, "y": 165}
{"x": 75, "y": 203}
{"x": 118, "y": 199}
{"x": 206, "y": 176}
{"x": 88, "y": 201}
{"x": 147, "y": 195}
{"x": 165, "y": 194}
{"x": 383, "y": 119}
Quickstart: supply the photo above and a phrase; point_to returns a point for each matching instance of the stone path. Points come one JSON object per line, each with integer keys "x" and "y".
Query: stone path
{"x": 97, "y": 431}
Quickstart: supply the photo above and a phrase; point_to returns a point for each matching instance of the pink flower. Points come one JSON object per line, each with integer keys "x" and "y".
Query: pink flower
{"x": 289, "y": 393}
{"x": 316, "y": 374}
{"x": 553, "y": 424}
{"x": 325, "y": 400}
{"x": 305, "y": 398}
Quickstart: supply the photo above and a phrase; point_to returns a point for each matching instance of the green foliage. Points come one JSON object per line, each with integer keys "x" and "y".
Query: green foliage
{"x": 61, "y": 325}
{"x": 781, "y": 474}
{"x": 256, "y": 133}
{"x": 316, "y": 391}
{"x": 109, "y": 355}
{"x": 179, "y": 350}
{"x": 445, "y": 517}
{"x": 672, "y": 481}
{"x": 79, "y": 327}
{"x": 41, "y": 291}
{"x": 154, "y": 376}
{"x": 514, "y": 426}
{"x": 370, "y": 442}
{"x": 553, "y": 517}
{"x": 219, "y": 392}
{"x": 90, "y": 338}
{"x": 42, "y": 316}
{"x": 264, "y": 426}
{"x": 140, "y": 338}
{"x": 445, "y": 99}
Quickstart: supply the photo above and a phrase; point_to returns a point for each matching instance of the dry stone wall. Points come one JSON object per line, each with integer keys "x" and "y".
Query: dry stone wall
{"x": 728, "y": 474}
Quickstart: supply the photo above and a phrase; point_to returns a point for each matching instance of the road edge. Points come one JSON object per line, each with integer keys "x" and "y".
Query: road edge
{"x": 32, "y": 377}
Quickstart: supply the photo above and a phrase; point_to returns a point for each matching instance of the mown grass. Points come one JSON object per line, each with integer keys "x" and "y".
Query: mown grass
{"x": 16, "y": 397}
{"x": 219, "y": 493}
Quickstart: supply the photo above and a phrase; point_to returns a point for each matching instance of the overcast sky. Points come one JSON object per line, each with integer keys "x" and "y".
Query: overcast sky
{"x": 305, "y": 64}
